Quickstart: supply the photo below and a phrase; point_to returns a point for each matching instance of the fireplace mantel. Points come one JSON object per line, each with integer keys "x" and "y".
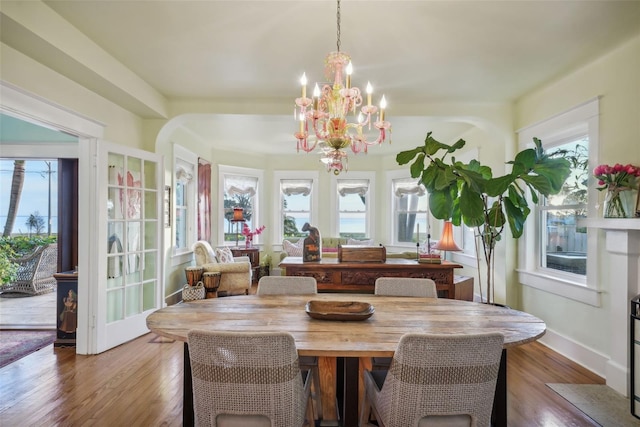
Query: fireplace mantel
{"x": 623, "y": 247}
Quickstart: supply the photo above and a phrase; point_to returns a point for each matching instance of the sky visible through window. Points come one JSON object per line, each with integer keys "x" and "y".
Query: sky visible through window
{"x": 35, "y": 193}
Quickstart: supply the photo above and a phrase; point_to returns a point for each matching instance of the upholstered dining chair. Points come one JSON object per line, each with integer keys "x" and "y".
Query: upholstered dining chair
{"x": 247, "y": 379}
{"x": 406, "y": 287}
{"x": 435, "y": 380}
{"x": 287, "y": 285}
{"x": 401, "y": 287}
{"x": 296, "y": 285}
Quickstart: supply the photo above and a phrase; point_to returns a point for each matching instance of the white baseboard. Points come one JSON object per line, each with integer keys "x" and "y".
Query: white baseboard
{"x": 587, "y": 357}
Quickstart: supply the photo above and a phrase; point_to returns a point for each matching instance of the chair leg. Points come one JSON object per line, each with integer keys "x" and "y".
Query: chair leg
{"x": 365, "y": 410}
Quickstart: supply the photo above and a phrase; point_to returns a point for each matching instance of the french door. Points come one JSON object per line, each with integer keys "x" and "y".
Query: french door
{"x": 129, "y": 220}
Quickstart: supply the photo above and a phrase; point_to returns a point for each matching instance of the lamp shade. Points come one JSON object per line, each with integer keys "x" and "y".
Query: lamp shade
{"x": 446, "y": 242}
{"x": 237, "y": 214}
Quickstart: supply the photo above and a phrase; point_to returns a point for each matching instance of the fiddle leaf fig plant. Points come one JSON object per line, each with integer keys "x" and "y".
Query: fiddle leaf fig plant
{"x": 469, "y": 193}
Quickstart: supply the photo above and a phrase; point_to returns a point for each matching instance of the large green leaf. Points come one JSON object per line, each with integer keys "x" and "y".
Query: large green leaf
{"x": 471, "y": 206}
{"x": 440, "y": 204}
{"x": 495, "y": 216}
{"x": 555, "y": 170}
{"x": 429, "y": 177}
{"x": 432, "y": 146}
{"x": 526, "y": 158}
{"x": 445, "y": 178}
{"x": 497, "y": 186}
{"x": 516, "y": 217}
{"x": 472, "y": 177}
{"x": 418, "y": 166}
{"x": 404, "y": 157}
{"x": 540, "y": 183}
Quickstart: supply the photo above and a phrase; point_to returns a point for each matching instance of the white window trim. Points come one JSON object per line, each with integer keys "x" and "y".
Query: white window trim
{"x": 370, "y": 207}
{"x": 257, "y": 205}
{"x": 278, "y": 233}
{"x": 181, "y": 256}
{"x": 583, "y": 119}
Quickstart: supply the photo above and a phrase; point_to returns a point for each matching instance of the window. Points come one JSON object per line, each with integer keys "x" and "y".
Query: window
{"x": 354, "y": 199}
{"x": 553, "y": 249}
{"x": 184, "y": 184}
{"x": 240, "y": 188}
{"x": 563, "y": 244}
{"x": 298, "y": 202}
{"x": 410, "y": 210}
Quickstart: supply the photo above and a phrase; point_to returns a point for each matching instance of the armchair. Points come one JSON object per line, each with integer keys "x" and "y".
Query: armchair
{"x": 234, "y": 276}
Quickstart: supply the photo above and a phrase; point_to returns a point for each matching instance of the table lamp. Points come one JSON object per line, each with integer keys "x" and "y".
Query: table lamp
{"x": 446, "y": 242}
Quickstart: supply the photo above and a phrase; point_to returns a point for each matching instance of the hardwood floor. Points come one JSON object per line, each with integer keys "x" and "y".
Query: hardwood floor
{"x": 140, "y": 384}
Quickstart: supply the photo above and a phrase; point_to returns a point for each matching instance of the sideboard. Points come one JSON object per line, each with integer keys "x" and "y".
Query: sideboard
{"x": 360, "y": 277}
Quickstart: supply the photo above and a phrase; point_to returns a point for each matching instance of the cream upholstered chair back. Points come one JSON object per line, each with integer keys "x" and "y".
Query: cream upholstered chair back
{"x": 248, "y": 379}
{"x": 437, "y": 380}
{"x": 203, "y": 253}
{"x": 297, "y": 285}
{"x": 406, "y": 287}
{"x": 287, "y": 285}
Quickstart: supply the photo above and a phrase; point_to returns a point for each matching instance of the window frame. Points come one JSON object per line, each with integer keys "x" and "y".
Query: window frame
{"x": 392, "y": 177}
{"x": 223, "y": 171}
{"x": 369, "y": 203}
{"x": 580, "y": 120}
{"x": 182, "y": 155}
{"x": 278, "y": 210}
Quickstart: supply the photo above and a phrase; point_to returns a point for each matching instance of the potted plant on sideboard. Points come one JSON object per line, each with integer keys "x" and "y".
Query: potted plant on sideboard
{"x": 469, "y": 193}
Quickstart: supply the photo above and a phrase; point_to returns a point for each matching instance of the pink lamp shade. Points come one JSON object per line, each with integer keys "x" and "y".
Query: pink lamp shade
{"x": 446, "y": 242}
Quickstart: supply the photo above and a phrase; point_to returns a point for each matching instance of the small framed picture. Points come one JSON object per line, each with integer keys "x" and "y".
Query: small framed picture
{"x": 167, "y": 206}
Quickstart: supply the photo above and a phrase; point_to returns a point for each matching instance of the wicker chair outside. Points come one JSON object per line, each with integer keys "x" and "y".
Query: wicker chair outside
{"x": 297, "y": 285}
{"x": 248, "y": 379}
{"x": 447, "y": 380}
{"x": 406, "y": 287}
{"x": 401, "y": 287}
{"x": 287, "y": 285}
{"x": 35, "y": 272}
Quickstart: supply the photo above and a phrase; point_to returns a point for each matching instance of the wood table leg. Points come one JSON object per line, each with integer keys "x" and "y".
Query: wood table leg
{"x": 328, "y": 373}
{"x": 499, "y": 413}
{"x": 188, "y": 419}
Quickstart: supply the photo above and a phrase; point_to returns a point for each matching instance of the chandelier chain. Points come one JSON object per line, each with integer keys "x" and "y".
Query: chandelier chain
{"x": 338, "y": 29}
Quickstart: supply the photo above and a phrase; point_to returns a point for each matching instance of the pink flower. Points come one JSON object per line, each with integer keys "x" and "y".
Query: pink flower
{"x": 246, "y": 231}
{"x": 617, "y": 176}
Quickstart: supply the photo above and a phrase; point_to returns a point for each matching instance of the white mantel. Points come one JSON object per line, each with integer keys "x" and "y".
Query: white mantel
{"x": 623, "y": 246}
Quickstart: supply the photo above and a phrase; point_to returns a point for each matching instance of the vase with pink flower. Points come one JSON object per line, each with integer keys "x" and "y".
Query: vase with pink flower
{"x": 621, "y": 186}
{"x": 248, "y": 234}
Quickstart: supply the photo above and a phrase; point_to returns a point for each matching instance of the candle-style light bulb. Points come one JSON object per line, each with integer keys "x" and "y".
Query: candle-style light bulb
{"x": 349, "y": 72}
{"x": 383, "y": 105}
{"x": 316, "y": 96}
{"x": 303, "y": 82}
{"x": 369, "y": 92}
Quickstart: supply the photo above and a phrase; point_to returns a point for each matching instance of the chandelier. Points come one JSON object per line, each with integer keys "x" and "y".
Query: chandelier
{"x": 324, "y": 120}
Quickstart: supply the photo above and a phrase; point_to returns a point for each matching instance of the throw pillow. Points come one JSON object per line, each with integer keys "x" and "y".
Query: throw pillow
{"x": 293, "y": 249}
{"x": 224, "y": 255}
{"x": 368, "y": 242}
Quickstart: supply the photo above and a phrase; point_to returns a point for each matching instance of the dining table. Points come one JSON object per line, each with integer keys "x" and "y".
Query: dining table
{"x": 345, "y": 344}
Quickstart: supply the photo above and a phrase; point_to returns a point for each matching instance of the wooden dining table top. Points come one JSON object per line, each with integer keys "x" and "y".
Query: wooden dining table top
{"x": 376, "y": 336}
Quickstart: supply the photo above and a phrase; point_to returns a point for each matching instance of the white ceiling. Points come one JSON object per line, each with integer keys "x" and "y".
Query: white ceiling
{"x": 415, "y": 52}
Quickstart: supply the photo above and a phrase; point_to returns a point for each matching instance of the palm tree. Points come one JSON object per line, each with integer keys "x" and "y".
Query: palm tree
{"x": 16, "y": 191}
